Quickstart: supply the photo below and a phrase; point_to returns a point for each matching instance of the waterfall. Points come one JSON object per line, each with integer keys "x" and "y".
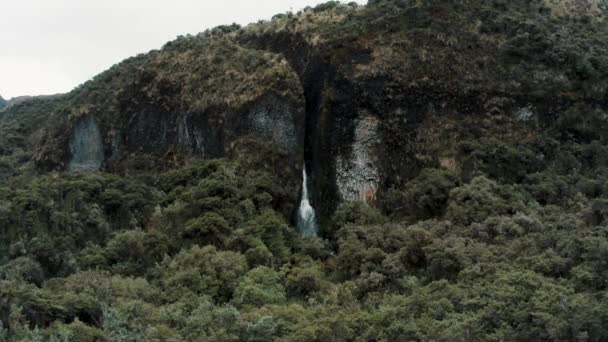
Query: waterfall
{"x": 307, "y": 219}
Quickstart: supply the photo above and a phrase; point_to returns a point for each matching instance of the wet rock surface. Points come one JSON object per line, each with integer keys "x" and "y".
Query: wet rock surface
{"x": 86, "y": 147}
{"x": 273, "y": 119}
{"x": 357, "y": 174}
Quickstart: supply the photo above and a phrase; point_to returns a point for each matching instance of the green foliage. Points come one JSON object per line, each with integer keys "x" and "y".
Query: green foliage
{"x": 385, "y": 252}
{"x": 116, "y": 326}
{"x": 203, "y": 271}
{"x": 506, "y": 242}
{"x": 22, "y": 268}
{"x": 210, "y": 228}
{"x": 131, "y": 252}
{"x": 76, "y": 331}
{"x": 499, "y": 159}
{"x": 304, "y": 280}
{"x": 326, "y": 6}
{"x": 265, "y": 239}
{"x": 352, "y": 213}
{"x": 22, "y": 119}
{"x": 49, "y": 218}
{"x": 228, "y": 210}
{"x": 259, "y": 287}
{"x": 482, "y": 198}
{"x": 424, "y": 197}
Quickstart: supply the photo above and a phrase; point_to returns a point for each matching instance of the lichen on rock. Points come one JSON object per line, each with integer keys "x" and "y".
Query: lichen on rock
{"x": 273, "y": 119}
{"x": 357, "y": 174}
{"x": 190, "y": 138}
{"x": 86, "y": 146}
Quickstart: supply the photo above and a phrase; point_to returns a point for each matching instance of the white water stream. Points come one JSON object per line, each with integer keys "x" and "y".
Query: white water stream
{"x": 307, "y": 219}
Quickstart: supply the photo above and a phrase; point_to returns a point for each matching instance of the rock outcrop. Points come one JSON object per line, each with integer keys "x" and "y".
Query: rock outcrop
{"x": 357, "y": 174}
{"x": 164, "y": 119}
{"x": 365, "y": 96}
{"x": 86, "y": 146}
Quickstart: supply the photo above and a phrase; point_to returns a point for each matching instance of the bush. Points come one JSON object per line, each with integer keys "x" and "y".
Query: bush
{"x": 259, "y": 287}
{"x": 424, "y": 197}
{"x": 265, "y": 239}
{"x": 304, "y": 280}
{"x": 482, "y": 198}
{"x": 499, "y": 159}
{"x": 76, "y": 331}
{"x": 390, "y": 250}
{"x": 202, "y": 271}
{"x": 23, "y": 268}
{"x": 352, "y": 213}
{"x": 210, "y": 228}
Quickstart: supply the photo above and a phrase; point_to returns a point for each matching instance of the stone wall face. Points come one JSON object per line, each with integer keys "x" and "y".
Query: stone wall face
{"x": 357, "y": 174}
{"x": 272, "y": 118}
{"x": 163, "y": 132}
{"x": 86, "y": 146}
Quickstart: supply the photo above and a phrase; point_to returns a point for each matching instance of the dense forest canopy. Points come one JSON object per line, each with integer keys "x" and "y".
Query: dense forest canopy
{"x": 486, "y": 218}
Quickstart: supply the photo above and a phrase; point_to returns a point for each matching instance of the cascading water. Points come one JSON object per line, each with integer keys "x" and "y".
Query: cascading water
{"x": 307, "y": 219}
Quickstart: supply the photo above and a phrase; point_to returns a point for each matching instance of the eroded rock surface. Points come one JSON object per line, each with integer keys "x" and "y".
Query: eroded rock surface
{"x": 273, "y": 119}
{"x": 86, "y": 146}
{"x": 357, "y": 174}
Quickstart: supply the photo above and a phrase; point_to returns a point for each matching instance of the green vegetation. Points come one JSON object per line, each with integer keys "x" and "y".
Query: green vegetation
{"x": 100, "y": 257}
{"x": 201, "y": 252}
{"x": 498, "y": 232}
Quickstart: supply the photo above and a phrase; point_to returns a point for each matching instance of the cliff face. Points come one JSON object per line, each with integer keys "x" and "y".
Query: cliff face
{"x": 475, "y": 129}
{"x": 86, "y": 146}
{"x": 195, "y": 98}
{"x": 366, "y": 96}
{"x": 399, "y": 86}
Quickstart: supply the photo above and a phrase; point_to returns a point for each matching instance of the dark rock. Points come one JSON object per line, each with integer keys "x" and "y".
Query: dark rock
{"x": 86, "y": 146}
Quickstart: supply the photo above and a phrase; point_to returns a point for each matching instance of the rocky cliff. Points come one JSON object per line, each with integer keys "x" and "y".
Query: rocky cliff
{"x": 455, "y": 184}
{"x": 367, "y": 96}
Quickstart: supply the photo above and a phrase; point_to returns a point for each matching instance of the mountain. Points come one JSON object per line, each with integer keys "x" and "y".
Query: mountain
{"x": 2, "y": 103}
{"x": 334, "y": 75}
{"x": 454, "y": 154}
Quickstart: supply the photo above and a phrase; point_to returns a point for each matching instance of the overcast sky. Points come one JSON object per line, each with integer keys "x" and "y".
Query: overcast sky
{"x": 52, "y": 46}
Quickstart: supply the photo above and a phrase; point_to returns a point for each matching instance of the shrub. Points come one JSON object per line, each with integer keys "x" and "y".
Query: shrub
{"x": 424, "y": 197}
{"x": 355, "y": 213}
{"x": 482, "y": 198}
{"x": 202, "y": 271}
{"x": 259, "y": 287}
{"x": 304, "y": 280}
{"x": 210, "y": 228}
{"x": 23, "y": 268}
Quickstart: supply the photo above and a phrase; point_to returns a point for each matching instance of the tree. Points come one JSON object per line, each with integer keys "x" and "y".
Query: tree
{"x": 482, "y": 198}
{"x": 202, "y": 271}
{"x": 259, "y": 287}
{"x": 423, "y": 197}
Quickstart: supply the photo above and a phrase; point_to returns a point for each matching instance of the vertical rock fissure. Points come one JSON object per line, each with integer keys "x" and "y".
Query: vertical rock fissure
{"x": 313, "y": 80}
{"x": 315, "y": 72}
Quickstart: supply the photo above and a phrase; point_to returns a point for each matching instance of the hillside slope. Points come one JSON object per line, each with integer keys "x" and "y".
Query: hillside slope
{"x": 345, "y": 79}
{"x": 457, "y": 160}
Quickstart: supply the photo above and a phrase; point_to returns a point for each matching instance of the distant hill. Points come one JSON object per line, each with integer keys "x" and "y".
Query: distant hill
{"x": 5, "y": 104}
